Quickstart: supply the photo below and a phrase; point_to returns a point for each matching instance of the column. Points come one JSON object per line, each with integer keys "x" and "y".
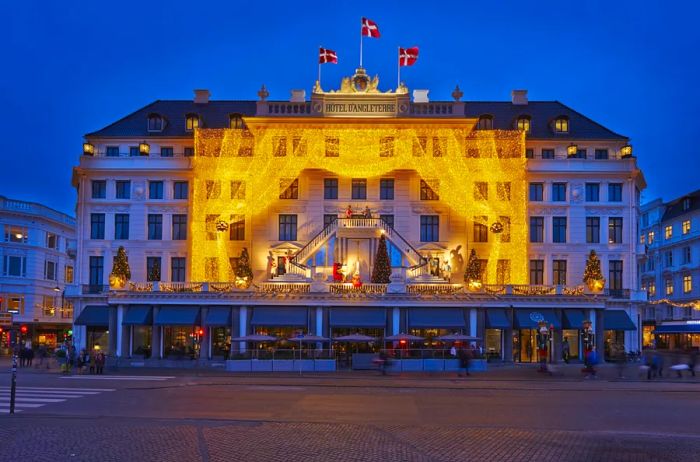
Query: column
{"x": 508, "y": 338}
{"x": 234, "y": 331}
{"x": 599, "y": 329}
{"x": 113, "y": 333}
{"x": 319, "y": 321}
{"x": 556, "y": 347}
{"x": 205, "y": 343}
{"x": 119, "y": 331}
{"x": 242, "y": 326}
{"x": 395, "y": 320}
{"x": 156, "y": 344}
{"x": 472, "y": 322}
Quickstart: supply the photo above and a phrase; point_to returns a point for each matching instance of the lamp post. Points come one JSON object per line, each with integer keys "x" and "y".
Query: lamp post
{"x": 88, "y": 149}
{"x": 144, "y": 148}
{"x": 571, "y": 150}
{"x": 626, "y": 151}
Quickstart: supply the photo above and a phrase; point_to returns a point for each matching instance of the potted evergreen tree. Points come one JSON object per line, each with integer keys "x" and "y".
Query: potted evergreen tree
{"x": 381, "y": 273}
{"x": 120, "y": 270}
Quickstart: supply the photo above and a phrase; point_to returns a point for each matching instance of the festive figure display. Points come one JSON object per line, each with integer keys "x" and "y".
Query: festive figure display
{"x": 356, "y": 280}
{"x": 244, "y": 273}
{"x": 120, "y": 271}
{"x": 592, "y": 275}
{"x": 271, "y": 265}
{"x": 338, "y": 272}
{"x": 543, "y": 337}
{"x": 154, "y": 273}
{"x": 381, "y": 274}
{"x": 456, "y": 260}
{"x": 367, "y": 213}
{"x": 288, "y": 261}
{"x": 348, "y": 212}
{"x": 447, "y": 270}
{"x": 588, "y": 341}
{"x": 472, "y": 275}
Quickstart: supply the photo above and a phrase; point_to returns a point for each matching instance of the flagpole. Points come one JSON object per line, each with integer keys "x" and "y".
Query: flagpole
{"x": 398, "y": 70}
{"x": 360, "y": 42}
{"x": 319, "y": 66}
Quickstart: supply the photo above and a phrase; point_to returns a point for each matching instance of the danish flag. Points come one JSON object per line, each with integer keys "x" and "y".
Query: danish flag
{"x": 408, "y": 56}
{"x": 326, "y": 56}
{"x": 369, "y": 28}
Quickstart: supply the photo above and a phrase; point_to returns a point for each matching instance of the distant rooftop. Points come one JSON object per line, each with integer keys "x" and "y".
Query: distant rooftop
{"x": 35, "y": 209}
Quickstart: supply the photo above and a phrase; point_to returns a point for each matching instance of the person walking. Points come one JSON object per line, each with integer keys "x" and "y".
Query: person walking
{"x": 464, "y": 358}
{"x": 100, "y": 363}
{"x": 592, "y": 361}
{"x": 30, "y": 356}
{"x": 42, "y": 353}
{"x": 92, "y": 362}
{"x": 692, "y": 360}
{"x": 565, "y": 350}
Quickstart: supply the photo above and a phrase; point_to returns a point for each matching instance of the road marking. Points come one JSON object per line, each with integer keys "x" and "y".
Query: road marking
{"x": 35, "y": 397}
{"x": 152, "y": 378}
{"x": 75, "y": 389}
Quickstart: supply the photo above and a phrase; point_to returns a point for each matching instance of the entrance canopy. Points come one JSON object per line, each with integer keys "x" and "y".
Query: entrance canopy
{"x": 138, "y": 315}
{"x": 279, "y": 316}
{"x": 528, "y": 319}
{"x": 617, "y": 320}
{"x": 678, "y": 329}
{"x": 180, "y": 315}
{"x": 218, "y": 316}
{"x": 573, "y": 319}
{"x": 94, "y": 316}
{"x": 436, "y": 318}
{"x": 496, "y": 318}
{"x": 358, "y": 317}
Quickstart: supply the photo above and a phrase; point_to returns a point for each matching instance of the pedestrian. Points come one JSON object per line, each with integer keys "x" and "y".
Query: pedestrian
{"x": 30, "y": 356}
{"x": 464, "y": 358}
{"x": 92, "y": 362}
{"x": 565, "y": 351}
{"x": 22, "y": 356}
{"x": 42, "y": 353}
{"x": 100, "y": 363}
{"x": 592, "y": 361}
{"x": 692, "y": 360}
{"x": 621, "y": 361}
{"x": 658, "y": 364}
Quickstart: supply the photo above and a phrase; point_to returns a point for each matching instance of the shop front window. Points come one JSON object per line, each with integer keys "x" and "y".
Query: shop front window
{"x": 614, "y": 343}
{"x": 283, "y": 348}
{"x": 220, "y": 342}
{"x": 141, "y": 341}
{"x": 572, "y": 337}
{"x": 525, "y": 345}
{"x": 349, "y": 348}
{"x": 98, "y": 339}
{"x": 493, "y": 343}
{"x": 648, "y": 336}
{"x": 179, "y": 342}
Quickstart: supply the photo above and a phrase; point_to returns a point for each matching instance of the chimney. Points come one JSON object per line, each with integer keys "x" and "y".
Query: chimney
{"x": 201, "y": 96}
{"x": 420, "y": 96}
{"x": 519, "y": 97}
{"x": 298, "y": 96}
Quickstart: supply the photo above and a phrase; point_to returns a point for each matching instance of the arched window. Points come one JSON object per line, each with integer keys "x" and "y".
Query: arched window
{"x": 485, "y": 122}
{"x": 523, "y": 123}
{"x": 155, "y": 123}
{"x": 561, "y": 124}
{"x": 236, "y": 121}
{"x": 191, "y": 122}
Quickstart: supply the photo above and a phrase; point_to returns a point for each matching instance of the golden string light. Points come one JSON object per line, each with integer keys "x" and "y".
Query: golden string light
{"x": 695, "y": 304}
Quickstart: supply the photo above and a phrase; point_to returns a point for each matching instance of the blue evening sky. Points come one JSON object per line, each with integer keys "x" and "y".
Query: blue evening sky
{"x": 75, "y": 66}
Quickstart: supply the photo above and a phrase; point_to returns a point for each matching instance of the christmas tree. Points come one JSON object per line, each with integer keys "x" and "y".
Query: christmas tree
{"x": 244, "y": 272}
{"x": 120, "y": 270}
{"x": 592, "y": 271}
{"x": 154, "y": 274}
{"x": 381, "y": 274}
{"x": 473, "y": 271}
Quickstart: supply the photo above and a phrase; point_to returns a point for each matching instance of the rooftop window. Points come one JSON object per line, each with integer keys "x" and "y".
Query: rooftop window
{"x": 523, "y": 123}
{"x": 191, "y": 122}
{"x": 561, "y": 124}
{"x": 485, "y": 122}
{"x": 155, "y": 123}
{"x": 236, "y": 121}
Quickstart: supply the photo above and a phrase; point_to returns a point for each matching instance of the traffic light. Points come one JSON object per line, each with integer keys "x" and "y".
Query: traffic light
{"x": 70, "y": 332}
{"x": 200, "y": 332}
{"x": 23, "y": 329}
{"x": 1, "y": 330}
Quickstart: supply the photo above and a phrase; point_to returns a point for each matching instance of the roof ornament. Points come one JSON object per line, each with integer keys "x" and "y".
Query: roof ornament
{"x": 263, "y": 93}
{"x": 457, "y": 93}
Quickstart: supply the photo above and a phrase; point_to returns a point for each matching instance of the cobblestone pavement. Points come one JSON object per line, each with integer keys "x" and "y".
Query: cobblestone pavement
{"x": 53, "y": 439}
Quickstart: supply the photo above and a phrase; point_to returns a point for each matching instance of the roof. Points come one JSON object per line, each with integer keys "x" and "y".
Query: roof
{"x": 215, "y": 114}
{"x": 675, "y": 207}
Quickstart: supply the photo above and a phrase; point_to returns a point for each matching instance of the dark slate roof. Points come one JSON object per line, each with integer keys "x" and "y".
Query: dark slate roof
{"x": 215, "y": 114}
{"x": 675, "y": 208}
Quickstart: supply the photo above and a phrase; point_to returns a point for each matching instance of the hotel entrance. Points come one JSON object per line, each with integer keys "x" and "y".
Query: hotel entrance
{"x": 525, "y": 346}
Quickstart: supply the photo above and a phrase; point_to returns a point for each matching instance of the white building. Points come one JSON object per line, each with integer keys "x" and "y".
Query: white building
{"x": 38, "y": 250}
{"x": 531, "y": 186}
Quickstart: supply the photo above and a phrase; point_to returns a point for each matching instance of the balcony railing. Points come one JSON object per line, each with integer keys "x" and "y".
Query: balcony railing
{"x": 95, "y": 289}
{"x": 348, "y": 288}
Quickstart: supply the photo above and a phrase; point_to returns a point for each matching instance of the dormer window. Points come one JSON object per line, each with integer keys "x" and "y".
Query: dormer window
{"x": 236, "y": 121}
{"x": 485, "y": 122}
{"x": 191, "y": 122}
{"x": 686, "y": 204}
{"x": 561, "y": 124}
{"x": 155, "y": 123}
{"x": 523, "y": 123}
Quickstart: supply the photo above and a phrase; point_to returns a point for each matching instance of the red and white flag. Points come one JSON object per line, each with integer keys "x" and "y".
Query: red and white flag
{"x": 326, "y": 56}
{"x": 408, "y": 56}
{"x": 369, "y": 28}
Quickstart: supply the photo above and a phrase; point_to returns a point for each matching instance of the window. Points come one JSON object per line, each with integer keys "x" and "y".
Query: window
{"x": 123, "y": 189}
{"x": 592, "y": 230}
{"x": 15, "y": 304}
{"x": 601, "y": 154}
{"x": 687, "y": 284}
{"x": 685, "y": 226}
{"x": 668, "y": 232}
{"x": 50, "y": 272}
{"x": 97, "y": 226}
{"x": 99, "y": 189}
{"x": 155, "y": 123}
{"x": 651, "y": 237}
{"x": 235, "y": 121}
{"x": 287, "y": 227}
{"x": 247, "y": 144}
{"x": 211, "y": 269}
{"x": 48, "y": 306}
{"x": 536, "y": 192}
{"x": 668, "y": 259}
{"x": 289, "y": 188}
{"x": 155, "y": 227}
{"x": 561, "y": 124}
{"x": 536, "y": 272}
{"x": 279, "y": 146}
{"x": 652, "y": 288}
{"x": 121, "y": 226}
{"x": 180, "y": 190}
{"x": 14, "y": 266}
{"x": 592, "y": 192}
{"x": 112, "y": 151}
{"x": 580, "y": 154}
{"x": 332, "y": 147}
{"x": 615, "y": 273}
{"x": 558, "y": 192}
{"x": 559, "y": 272}
{"x": 481, "y": 229}
{"x": 481, "y": 191}
{"x": 166, "y": 152}
{"x": 523, "y": 124}
{"x": 529, "y": 153}
{"x": 210, "y": 224}
{"x": 238, "y": 190}
{"x": 51, "y": 241}
{"x": 179, "y": 227}
{"x": 615, "y": 230}
{"x": 212, "y": 189}
{"x": 427, "y": 193}
{"x": 536, "y": 229}
{"x": 134, "y": 151}
{"x": 548, "y": 153}
{"x": 503, "y": 191}
{"x": 439, "y": 146}
{"x": 188, "y": 151}
{"x": 686, "y": 204}
{"x": 386, "y": 146}
{"x": 298, "y": 146}
{"x": 420, "y": 146}
{"x": 191, "y": 122}
{"x": 96, "y": 270}
{"x": 329, "y": 218}
{"x": 155, "y": 189}
{"x": 669, "y": 286}
{"x": 503, "y": 272}
{"x": 236, "y": 230}
{"x": 472, "y": 152}
{"x": 559, "y": 229}
{"x": 686, "y": 255}
{"x": 153, "y": 268}
{"x": 505, "y": 234}
{"x": 177, "y": 269}
{"x": 429, "y": 228}
{"x": 359, "y": 188}
{"x": 651, "y": 264}
{"x": 16, "y": 234}
{"x": 485, "y": 123}
{"x": 388, "y": 219}
{"x": 615, "y": 192}
{"x": 68, "y": 274}
{"x": 386, "y": 189}
{"x": 330, "y": 188}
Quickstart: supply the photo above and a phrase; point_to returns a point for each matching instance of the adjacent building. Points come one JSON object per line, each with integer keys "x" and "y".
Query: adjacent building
{"x": 38, "y": 262}
{"x": 670, "y": 272}
{"x": 305, "y": 191}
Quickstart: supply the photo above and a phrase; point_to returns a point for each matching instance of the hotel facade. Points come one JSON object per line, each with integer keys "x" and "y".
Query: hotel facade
{"x": 306, "y": 191}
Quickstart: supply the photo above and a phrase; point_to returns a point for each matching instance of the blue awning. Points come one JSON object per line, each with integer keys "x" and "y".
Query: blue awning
{"x": 573, "y": 319}
{"x": 678, "y": 329}
{"x": 138, "y": 315}
{"x": 279, "y": 316}
{"x": 497, "y": 318}
{"x": 218, "y": 316}
{"x": 94, "y": 316}
{"x": 436, "y": 318}
{"x": 528, "y": 319}
{"x": 617, "y": 320}
{"x": 178, "y": 315}
{"x": 358, "y": 317}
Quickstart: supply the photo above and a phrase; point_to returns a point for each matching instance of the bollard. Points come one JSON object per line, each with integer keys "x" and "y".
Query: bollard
{"x": 13, "y": 387}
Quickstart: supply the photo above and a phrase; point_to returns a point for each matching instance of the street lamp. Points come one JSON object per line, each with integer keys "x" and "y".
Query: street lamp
{"x": 626, "y": 151}
{"x": 144, "y": 148}
{"x": 571, "y": 150}
{"x": 88, "y": 149}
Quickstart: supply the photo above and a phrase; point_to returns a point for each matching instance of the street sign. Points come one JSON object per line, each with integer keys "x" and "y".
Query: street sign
{"x": 6, "y": 319}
